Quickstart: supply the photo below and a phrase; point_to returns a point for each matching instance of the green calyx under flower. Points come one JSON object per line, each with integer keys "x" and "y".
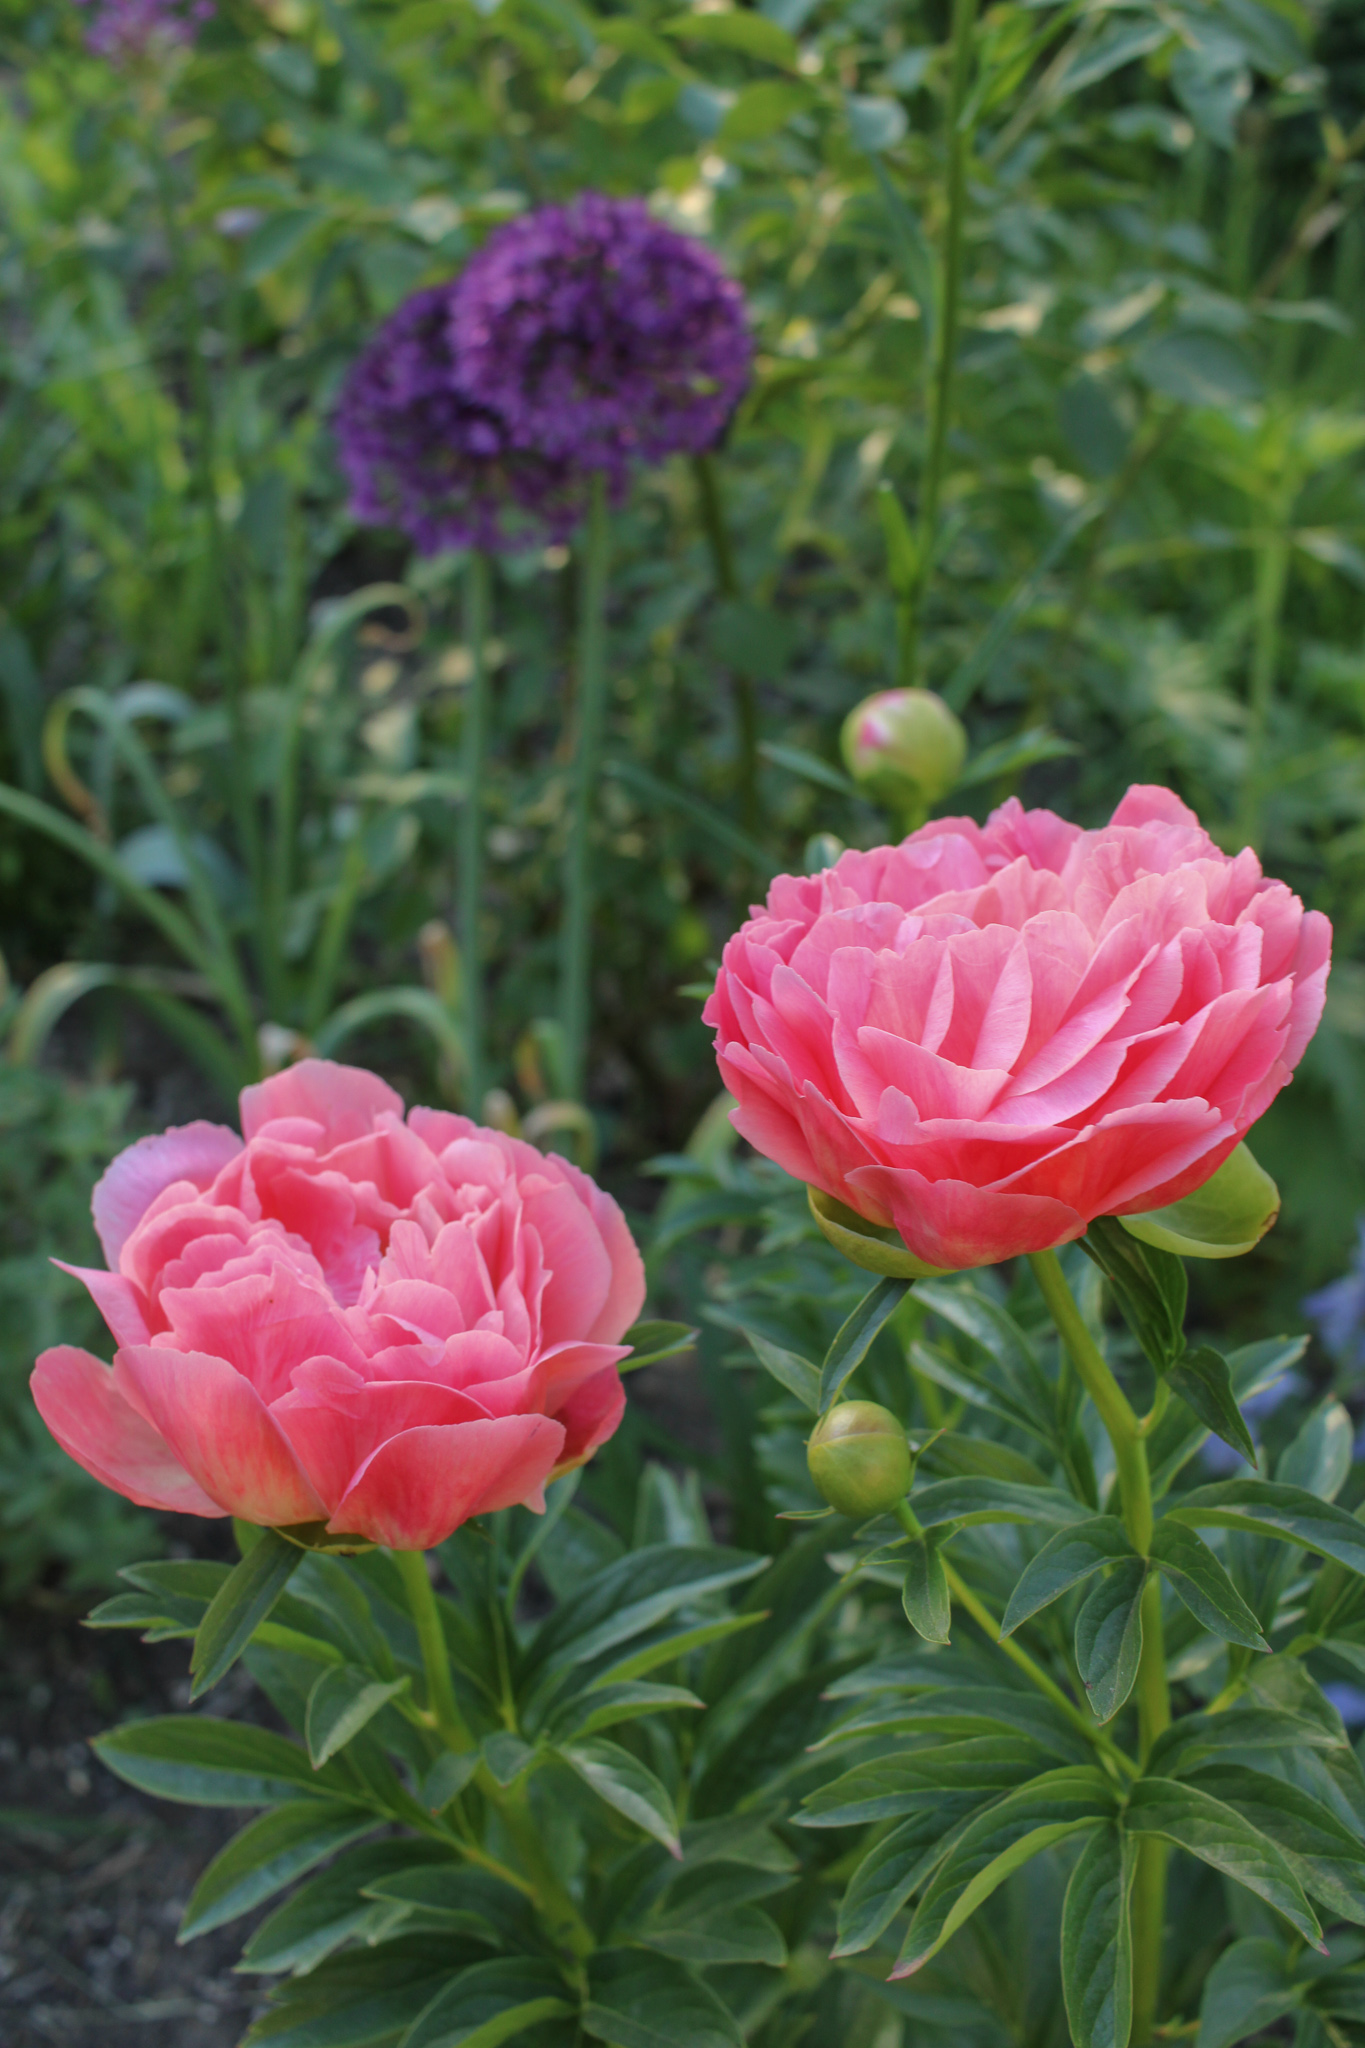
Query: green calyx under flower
{"x": 1229, "y": 1215}
{"x": 859, "y": 1458}
{"x": 869, "y": 1245}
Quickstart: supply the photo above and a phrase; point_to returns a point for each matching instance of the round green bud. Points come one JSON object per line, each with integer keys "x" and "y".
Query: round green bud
{"x": 905, "y": 747}
{"x": 859, "y": 1459}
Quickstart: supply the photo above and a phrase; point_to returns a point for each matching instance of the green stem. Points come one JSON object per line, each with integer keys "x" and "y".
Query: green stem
{"x": 1151, "y": 1690}
{"x": 1272, "y": 575}
{"x": 950, "y": 306}
{"x": 712, "y": 507}
{"x": 471, "y": 821}
{"x": 426, "y": 1617}
{"x": 576, "y": 934}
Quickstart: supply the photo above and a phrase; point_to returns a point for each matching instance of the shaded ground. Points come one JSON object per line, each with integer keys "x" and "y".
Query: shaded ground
{"x": 94, "y": 1876}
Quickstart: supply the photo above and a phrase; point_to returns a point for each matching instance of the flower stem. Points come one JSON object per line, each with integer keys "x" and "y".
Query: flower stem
{"x": 576, "y": 932}
{"x": 1151, "y": 1690}
{"x": 949, "y": 314}
{"x": 471, "y": 823}
{"x": 426, "y": 1618}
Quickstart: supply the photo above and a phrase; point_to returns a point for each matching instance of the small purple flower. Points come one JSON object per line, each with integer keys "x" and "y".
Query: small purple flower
{"x": 600, "y": 335}
{"x": 123, "y": 29}
{"x": 1338, "y": 1310}
{"x": 422, "y": 456}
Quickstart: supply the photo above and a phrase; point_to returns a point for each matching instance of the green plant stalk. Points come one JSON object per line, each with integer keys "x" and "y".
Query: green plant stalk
{"x": 576, "y": 931}
{"x": 474, "y": 743}
{"x": 712, "y": 508}
{"x": 1151, "y": 1691}
{"x": 950, "y": 310}
{"x": 426, "y": 1619}
{"x": 1272, "y": 576}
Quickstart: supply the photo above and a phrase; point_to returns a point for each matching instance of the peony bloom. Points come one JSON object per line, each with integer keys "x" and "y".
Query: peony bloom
{"x": 600, "y": 335}
{"x": 347, "y": 1318}
{"x": 987, "y": 1036}
{"x": 421, "y": 456}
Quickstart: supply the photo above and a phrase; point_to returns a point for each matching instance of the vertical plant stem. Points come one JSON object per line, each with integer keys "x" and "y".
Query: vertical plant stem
{"x": 426, "y": 1618}
{"x": 1272, "y": 575}
{"x": 950, "y": 308}
{"x": 712, "y": 507}
{"x": 471, "y": 820}
{"x": 576, "y": 932}
{"x": 1151, "y": 1691}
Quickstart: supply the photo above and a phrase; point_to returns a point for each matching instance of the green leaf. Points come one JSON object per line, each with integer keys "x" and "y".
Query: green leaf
{"x": 447, "y": 1778}
{"x": 277, "y": 239}
{"x": 627, "y": 1785}
{"x": 344, "y": 1698}
{"x": 1097, "y": 1947}
{"x": 1244, "y": 1728}
{"x": 730, "y": 1934}
{"x": 1185, "y": 1560}
{"x": 506, "y": 1755}
{"x": 1109, "y": 1638}
{"x": 1148, "y": 1284}
{"x": 753, "y": 35}
{"x": 972, "y": 1500}
{"x": 1218, "y": 1835}
{"x": 1229, "y": 1215}
{"x": 267, "y": 1854}
{"x": 330, "y": 1908}
{"x": 652, "y": 1341}
{"x": 1265, "y": 1508}
{"x": 1201, "y": 1378}
{"x": 1205, "y": 370}
{"x": 1010, "y": 757}
{"x": 1179, "y": 1433}
{"x": 875, "y": 123}
{"x": 869, "y": 1245}
{"x": 489, "y": 2004}
{"x": 1064, "y": 1561}
{"x": 902, "y": 549}
{"x": 924, "y": 1596}
{"x": 795, "y": 1374}
{"x": 633, "y": 1594}
{"x": 1251, "y": 1985}
{"x": 897, "y": 1865}
{"x": 604, "y": 1706}
{"x": 208, "y": 1762}
{"x": 362, "y": 1997}
{"x": 459, "y": 1900}
{"x": 1325, "y": 1856}
{"x": 890, "y": 1787}
{"x": 1319, "y": 1457}
{"x": 762, "y": 110}
{"x": 997, "y": 1843}
{"x": 649, "y": 2001}
{"x": 667, "y": 1647}
{"x": 854, "y": 1340}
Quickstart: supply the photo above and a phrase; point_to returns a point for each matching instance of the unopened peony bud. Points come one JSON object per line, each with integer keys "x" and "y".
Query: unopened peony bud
{"x": 906, "y": 748}
{"x": 859, "y": 1459}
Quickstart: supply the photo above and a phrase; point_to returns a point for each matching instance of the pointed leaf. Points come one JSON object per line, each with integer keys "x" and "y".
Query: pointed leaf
{"x": 1266, "y": 1508}
{"x": 1109, "y": 1638}
{"x": 896, "y": 1865}
{"x": 928, "y": 1608}
{"x": 652, "y": 1341}
{"x": 488, "y": 2004}
{"x": 604, "y": 1706}
{"x": 267, "y": 1854}
{"x": 1149, "y": 1286}
{"x": 635, "y": 1593}
{"x": 208, "y": 1762}
{"x": 889, "y": 1787}
{"x": 797, "y": 1375}
{"x": 1185, "y": 1560}
{"x": 1203, "y": 1381}
{"x": 1097, "y": 1947}
{"x": 1326, "y": 1856}
{"x": 1319, "y": 1458}
{"x": 241, "y": 1603}
{"x": 332, "y": 1907}
{"x": 731, "y": 1934}
{"x": 1251, "y": 1985}
{"x": 1064, "y": 1561}
{"x": 627, "y": 1785}
{"x": 973, "y": 1500}
{"x": 1218, "y": 1835}
{"x": 854, "y": 1340}
{"x": 637, "y": 2000}
{"x": 344, "y": 1698}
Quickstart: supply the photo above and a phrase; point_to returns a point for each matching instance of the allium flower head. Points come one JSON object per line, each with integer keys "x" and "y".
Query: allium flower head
{"x": 123, "y": 29}
{"x": 421, "y": 455}
{"x": 600, "y": 335}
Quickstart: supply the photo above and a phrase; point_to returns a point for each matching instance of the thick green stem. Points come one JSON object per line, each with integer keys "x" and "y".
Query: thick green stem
{"x": 576, "y": 933}
{"x": 471, "y": 822}
{"x": 1151, "y": 1691}
{"x": 426, "y": 1618}
{"x": 949, "y": 316}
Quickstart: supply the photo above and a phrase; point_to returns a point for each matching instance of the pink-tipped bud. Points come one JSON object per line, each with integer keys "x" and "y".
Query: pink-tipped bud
{"x": 859, "y": 1458}
{"x": 905, "y": 747}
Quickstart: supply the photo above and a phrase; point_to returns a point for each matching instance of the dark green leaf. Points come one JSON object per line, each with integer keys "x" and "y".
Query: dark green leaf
{"x": 627, "y": 1785}
{"x": 342, "y": 1701}
{"x": 488, "y": 2004}
{"x": 897, "y": 1865}
{"x": 1319, "y": 1458}
{"x": 633, "y": 1594}
{"x": 459, "y": 1899}
{"x": 1245, "y": 1728}
{"x": 973, "y": 1500}
{"x": 447, "y": 1778}
{"x": 797, "y": 1375}
{"x": 1264, "y": 1508}
{"x": 606, "y": 1705}
{"x": 506, "y": 1755}
{"x": 964, "y": 1710}
{"x": 267, "y": 1854}
{"x": 1064, "y": 1561}
{"x": 1203, "y": 1381}
{"x": 330, "y": 1908}
{"x": 730, "y": 1934}
{"x": 1097, "y": 1948}
{"x": 1251, "y": 1985}
{"x": 1186, "y": 1561}
{"x": 1109, "y": 1638}
{"x": 887, "y": 1788}
{"x": 997, "y": 1843}
{"x": 207, "y": 1762}
{"x": 1327, "y": 1858}
{"x": 1204, "y": 370}
{"x": 1149, "y": 1286}
{"x": 925, "y": 1593}
{"x": 642, "y": 2001}
{"x": 652, "y": 1341}
{"x": 1179, "y": 1433}
{"x": 854, "y": 1340}
{"x": 361, "y": 1997}
{"x": 239, "y": 1606}
{"x": 1219, "y": 1836}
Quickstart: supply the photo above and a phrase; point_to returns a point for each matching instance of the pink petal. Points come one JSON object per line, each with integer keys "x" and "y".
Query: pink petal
{"x": 335, "y": 1420}
{"x": 117, "y": 1300}
{"x": 130, "y": 1184}
{"x": 263, "y": 1324}
{"x": 590, "y": 1415}
{"x": 220, "y": 1430}
{"x": 952, "y": 1224}
{"x": 345, "y": 1101}
{"x": 1148, "y": 803}
{"x": 419, "y": 1487}
{"x": 78, "y": 1400}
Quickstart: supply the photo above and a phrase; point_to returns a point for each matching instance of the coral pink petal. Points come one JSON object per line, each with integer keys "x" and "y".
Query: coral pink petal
{"x": 118, "y": 1301}
{"x": 263, "y": 1323}
{"x": 81, "y": 1405}
{"x": 345, "y": 1101}
{"x": 221, "y": 1431}
{"x": 590, "y": 1415}
{"x": 419, "y": 1487}
{"x": 953, "y": 1224}
{"x": 131, "y": 1183}
{"x": 335, "y": 1421}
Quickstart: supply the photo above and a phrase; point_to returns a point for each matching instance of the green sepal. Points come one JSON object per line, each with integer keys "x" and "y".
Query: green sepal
{"x": 1226, "y": 1217}
{"x": 869, "y": 1245}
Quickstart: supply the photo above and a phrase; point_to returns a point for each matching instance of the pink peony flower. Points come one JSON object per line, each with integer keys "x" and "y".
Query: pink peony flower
{"x": 385, "y": 1326}
{"x": 985, "y": 1037}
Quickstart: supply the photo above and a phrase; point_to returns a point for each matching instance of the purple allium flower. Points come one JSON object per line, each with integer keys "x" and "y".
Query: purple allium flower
{"x": 420, "y": 455}
{"x": 599, "y": 335}
{"x": 1338, "y": 1310}
{"x": 122, "y": 29}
